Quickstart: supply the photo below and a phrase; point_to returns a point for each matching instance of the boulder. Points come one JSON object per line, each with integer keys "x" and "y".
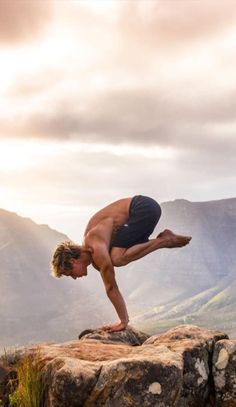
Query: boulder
{"x": 191, "y": 332}
{"x": 87, "y": 373}
{"x": 195, "y": 345}
{"x": 129, "y": 336}
{"x": 224, "y": 373}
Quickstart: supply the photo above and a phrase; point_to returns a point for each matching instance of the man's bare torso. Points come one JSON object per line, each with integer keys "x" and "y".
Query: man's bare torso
{"x": 106, "y": 221}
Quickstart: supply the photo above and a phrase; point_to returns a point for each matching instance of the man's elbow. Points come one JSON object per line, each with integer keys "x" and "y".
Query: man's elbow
{"x": 110, "y": 288}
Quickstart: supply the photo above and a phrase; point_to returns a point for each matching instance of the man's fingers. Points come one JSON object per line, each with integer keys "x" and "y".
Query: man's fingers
{"x": 113, "y": 328}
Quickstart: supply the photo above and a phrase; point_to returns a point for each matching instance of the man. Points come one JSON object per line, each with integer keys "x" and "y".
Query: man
{"x": 115, "y": 236}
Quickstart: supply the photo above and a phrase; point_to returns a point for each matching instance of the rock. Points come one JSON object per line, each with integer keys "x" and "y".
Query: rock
{"x": 129, "y": 336}
{"x": 195, "y": 345}
{"x": 86, "y": 373}
{"x": 144, "y": 377}
{"x": 122, "y": 369}
{"x": 85, "y": 332}
{"x": 224, "y": 373}
{"x": 191, "y": 332}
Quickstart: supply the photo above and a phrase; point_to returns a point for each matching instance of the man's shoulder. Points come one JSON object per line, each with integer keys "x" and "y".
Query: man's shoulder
{"x": 101, "y": 231}
{"x": 96, "y": 240}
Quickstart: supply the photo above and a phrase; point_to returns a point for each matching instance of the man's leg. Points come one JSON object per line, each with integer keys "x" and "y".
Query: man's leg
{"x": 167, "y": 239}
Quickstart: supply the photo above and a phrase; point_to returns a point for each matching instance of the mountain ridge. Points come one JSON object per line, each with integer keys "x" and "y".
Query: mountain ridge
{"x": 207, "y": 265}
{"x": 163, "y": 289}
{"x": 34, "y": 306}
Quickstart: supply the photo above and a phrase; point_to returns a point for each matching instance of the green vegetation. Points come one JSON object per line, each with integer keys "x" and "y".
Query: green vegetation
{"x": 223, "y": 298}
{"x": 224, "y": 321}
{"x": 29, "y": 391}
{"x": 153, "y": 327}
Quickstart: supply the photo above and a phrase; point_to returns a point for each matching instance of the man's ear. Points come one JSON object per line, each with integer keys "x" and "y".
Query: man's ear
{"x": 72, "y": 260}
{"x": 88, "y": 250}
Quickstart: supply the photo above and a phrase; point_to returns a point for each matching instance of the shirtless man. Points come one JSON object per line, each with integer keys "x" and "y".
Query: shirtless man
{"x": 115, "y": 236}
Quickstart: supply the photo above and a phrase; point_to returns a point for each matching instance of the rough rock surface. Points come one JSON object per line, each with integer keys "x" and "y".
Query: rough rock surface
{"x": 224, "y": 370}
{"x": 130, "y": 336}
{"x": 125, "y": 369}
{"x": 110, "y": 370}
{"x": 190, "y": 332}
{"x": 195, "y": 345}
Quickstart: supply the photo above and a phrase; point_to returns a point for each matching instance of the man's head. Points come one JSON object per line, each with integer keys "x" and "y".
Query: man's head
{"x": 70, "y": 259}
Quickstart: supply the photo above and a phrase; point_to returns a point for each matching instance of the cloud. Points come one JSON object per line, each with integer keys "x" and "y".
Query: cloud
{"x": 142, "y": 117}
{"x": 129, "y": 87}
{"x": 64, "y": 186}
{"x": 149, "y": 24}
{"x": 80, "y": 179}
{"x": 172, "y": 23}
{"x": 22, "y": 20}
{"x": 142, "y": 76}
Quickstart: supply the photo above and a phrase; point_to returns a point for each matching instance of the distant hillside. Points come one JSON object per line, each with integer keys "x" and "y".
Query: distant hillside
{"x": 196, "y": 283}
{"x": 33, "y": 305}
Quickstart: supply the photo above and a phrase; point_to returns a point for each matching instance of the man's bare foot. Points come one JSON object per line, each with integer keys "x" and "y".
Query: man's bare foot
{"x": 170, "y": 239}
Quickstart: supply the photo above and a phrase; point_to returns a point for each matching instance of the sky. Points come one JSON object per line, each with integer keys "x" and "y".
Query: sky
{"x": 101, "y": 100}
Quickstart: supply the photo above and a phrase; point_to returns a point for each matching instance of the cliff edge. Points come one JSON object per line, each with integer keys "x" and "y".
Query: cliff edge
{"x": 185, "y": 366}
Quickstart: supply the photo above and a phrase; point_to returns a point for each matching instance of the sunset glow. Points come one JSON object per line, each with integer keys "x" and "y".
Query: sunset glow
{"x": 104, "y": 99}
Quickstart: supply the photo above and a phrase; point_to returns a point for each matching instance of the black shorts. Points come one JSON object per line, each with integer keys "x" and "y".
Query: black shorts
{"x": 144, "y": 213}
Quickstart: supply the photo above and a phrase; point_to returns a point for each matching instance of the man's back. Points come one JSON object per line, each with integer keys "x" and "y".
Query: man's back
{"x": 109, "y": 218}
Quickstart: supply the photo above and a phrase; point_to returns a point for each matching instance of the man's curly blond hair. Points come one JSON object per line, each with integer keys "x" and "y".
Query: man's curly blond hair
{"x": 61, "y": 259}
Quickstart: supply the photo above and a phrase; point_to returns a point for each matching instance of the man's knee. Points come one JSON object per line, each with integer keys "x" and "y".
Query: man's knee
{"x": 118, "y": 258}
{"x": 118, "y": 261}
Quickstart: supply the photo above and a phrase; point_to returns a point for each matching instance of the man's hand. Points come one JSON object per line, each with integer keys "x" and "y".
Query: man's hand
{"x": 119, "y": 326}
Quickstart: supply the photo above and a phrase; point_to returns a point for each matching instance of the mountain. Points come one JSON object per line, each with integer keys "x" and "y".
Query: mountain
{"x": 34, "y": 306}
{"x": 195, "y": 284}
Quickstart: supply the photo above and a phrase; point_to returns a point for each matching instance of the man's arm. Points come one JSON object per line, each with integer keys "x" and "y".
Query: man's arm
{"x": 102, "y": 260}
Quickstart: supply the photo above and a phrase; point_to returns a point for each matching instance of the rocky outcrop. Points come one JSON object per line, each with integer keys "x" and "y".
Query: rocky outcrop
{"x": 127, "y": 369}
{"x": 224, "y": 371}
{"x": 196, "y": 346}
{"x": 128, "y": 336}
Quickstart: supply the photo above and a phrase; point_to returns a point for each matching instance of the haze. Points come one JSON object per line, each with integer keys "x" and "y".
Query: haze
{"x": 107, "y": 99}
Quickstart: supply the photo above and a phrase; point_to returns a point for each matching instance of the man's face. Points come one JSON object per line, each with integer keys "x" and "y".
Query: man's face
{"x": 79, "y": 269}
